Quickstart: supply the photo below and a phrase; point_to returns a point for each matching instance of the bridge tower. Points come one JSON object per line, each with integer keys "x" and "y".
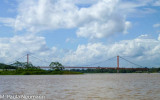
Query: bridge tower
{"x": 27, "y": 59}
{"x": 118, "y": 64}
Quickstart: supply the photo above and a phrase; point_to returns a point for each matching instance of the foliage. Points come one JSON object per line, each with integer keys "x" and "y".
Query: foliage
{"x": 56, "y": 66}
{"x": 31, "y": 71}
{"x": 23, "y": 68}
{"x": 18, "y": 64}
{"x": 4, "y": 66}
{"x": 150, "y": 70}
{"x": 23, "y": 65}
{"x": 154, "y": 70}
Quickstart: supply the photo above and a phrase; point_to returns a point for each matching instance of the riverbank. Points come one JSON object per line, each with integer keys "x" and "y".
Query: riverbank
{"x": 37, "y": 72}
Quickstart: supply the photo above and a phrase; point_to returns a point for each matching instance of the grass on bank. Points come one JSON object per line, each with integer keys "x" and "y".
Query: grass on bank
{"x": 24, "y": 68}
{"x": 37, "y": 72}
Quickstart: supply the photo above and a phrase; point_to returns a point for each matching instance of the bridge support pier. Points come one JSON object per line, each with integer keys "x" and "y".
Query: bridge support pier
{"x": 27, "y": 59}
{"x": 117, "y": 64}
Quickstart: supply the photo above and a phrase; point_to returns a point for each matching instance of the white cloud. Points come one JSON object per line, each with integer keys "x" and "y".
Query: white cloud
{"x": 156, "y": 25}
{"x": 17, "y": 46}
{"x": 103, "y": 19}
{"x": 8, "y": 21}
{"x": 156, "y": 3}
{"x": 45, "y": 14}
{"x": 159, "y": 37}
{"x": 100, "y": 19}
{"x": 97, "y": 19}
{"x": 70, "y": 40}
{"x": 142, "y": 50}
{"x": 127, "y": 26}
{"x": 88, "y": 2}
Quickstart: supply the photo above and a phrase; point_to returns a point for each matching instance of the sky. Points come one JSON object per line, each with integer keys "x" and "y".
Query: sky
{"x": 80, "y": 32}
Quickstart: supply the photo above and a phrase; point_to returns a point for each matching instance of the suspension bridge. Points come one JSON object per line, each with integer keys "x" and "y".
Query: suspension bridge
{"x": 112, "y": 63}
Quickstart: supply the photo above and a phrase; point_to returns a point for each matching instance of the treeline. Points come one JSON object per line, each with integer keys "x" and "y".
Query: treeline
{"x": 24, "y": 68}
{"x": 147, "y": 70}
{"x": 24, "y": 65}
{"x": 17, "y": 65}
{"x": 31, "y": 71}
{"x": 4, "y": 66}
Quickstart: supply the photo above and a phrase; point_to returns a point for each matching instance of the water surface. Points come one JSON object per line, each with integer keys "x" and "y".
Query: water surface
{"x": 84, "y": 87}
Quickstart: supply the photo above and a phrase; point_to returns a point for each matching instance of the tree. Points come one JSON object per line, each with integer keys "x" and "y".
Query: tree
{"x": 23, "y": 65}
{"x": 28, "y": 65}
{"x": 4, "y": 66}
{"x": 18, "y": 64}
{"x": 56, "y": 66}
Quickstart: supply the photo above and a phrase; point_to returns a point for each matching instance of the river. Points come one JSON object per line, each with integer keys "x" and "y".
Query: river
{"x": 136, "y": 86}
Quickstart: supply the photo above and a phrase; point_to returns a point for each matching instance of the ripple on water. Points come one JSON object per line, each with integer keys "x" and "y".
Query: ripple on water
{"x": 85, "y": 87}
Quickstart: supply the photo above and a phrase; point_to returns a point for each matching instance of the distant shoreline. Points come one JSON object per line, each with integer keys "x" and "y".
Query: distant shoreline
{"x": 38, "y": 72}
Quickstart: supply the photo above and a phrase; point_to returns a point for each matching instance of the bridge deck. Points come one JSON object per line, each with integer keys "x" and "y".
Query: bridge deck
{"x": 71, "y": 67}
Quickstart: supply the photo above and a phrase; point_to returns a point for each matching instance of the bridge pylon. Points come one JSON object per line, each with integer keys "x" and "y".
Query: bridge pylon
{"x": 118, "y": 64}
{"x": 27, "y": 59}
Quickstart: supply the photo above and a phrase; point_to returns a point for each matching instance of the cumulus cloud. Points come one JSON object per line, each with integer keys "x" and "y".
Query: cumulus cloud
{"x": 45, "y": 14}
{"x": 103, "y": 19}
{"x": 99, "y": 19}
{"x": 17, "y": 46}
{"x": 92, "y": 18}
{"x": 142, "y": 50}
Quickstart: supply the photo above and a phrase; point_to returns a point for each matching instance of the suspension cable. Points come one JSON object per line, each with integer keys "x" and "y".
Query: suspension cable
{"x": 40, "y": 59}
{"x": 130, "y": 62}
{"x": 16, "y": 59}
{"x": 100, "y": 61}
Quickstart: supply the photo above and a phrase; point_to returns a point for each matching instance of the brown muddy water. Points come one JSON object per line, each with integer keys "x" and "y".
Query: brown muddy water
{"x": 81, "y": 87}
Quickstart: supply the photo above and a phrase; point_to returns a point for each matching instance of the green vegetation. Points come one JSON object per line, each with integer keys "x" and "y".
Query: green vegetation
{"x": 4, "y": 66}
{"x": 154, "y": 70}
{"x": 148, "y": 70}
{"x": 56, "y": 66}
{"x": 23, "y": 65}
{"x": 36, "y": 72}
{"x": 23, "y": 68}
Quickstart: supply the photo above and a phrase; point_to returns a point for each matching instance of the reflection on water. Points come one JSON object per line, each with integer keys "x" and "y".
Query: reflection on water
{"x": 84, "y": 87}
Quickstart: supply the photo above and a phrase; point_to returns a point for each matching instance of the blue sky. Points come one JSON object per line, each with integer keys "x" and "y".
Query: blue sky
{"x": 77, "y": 32}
